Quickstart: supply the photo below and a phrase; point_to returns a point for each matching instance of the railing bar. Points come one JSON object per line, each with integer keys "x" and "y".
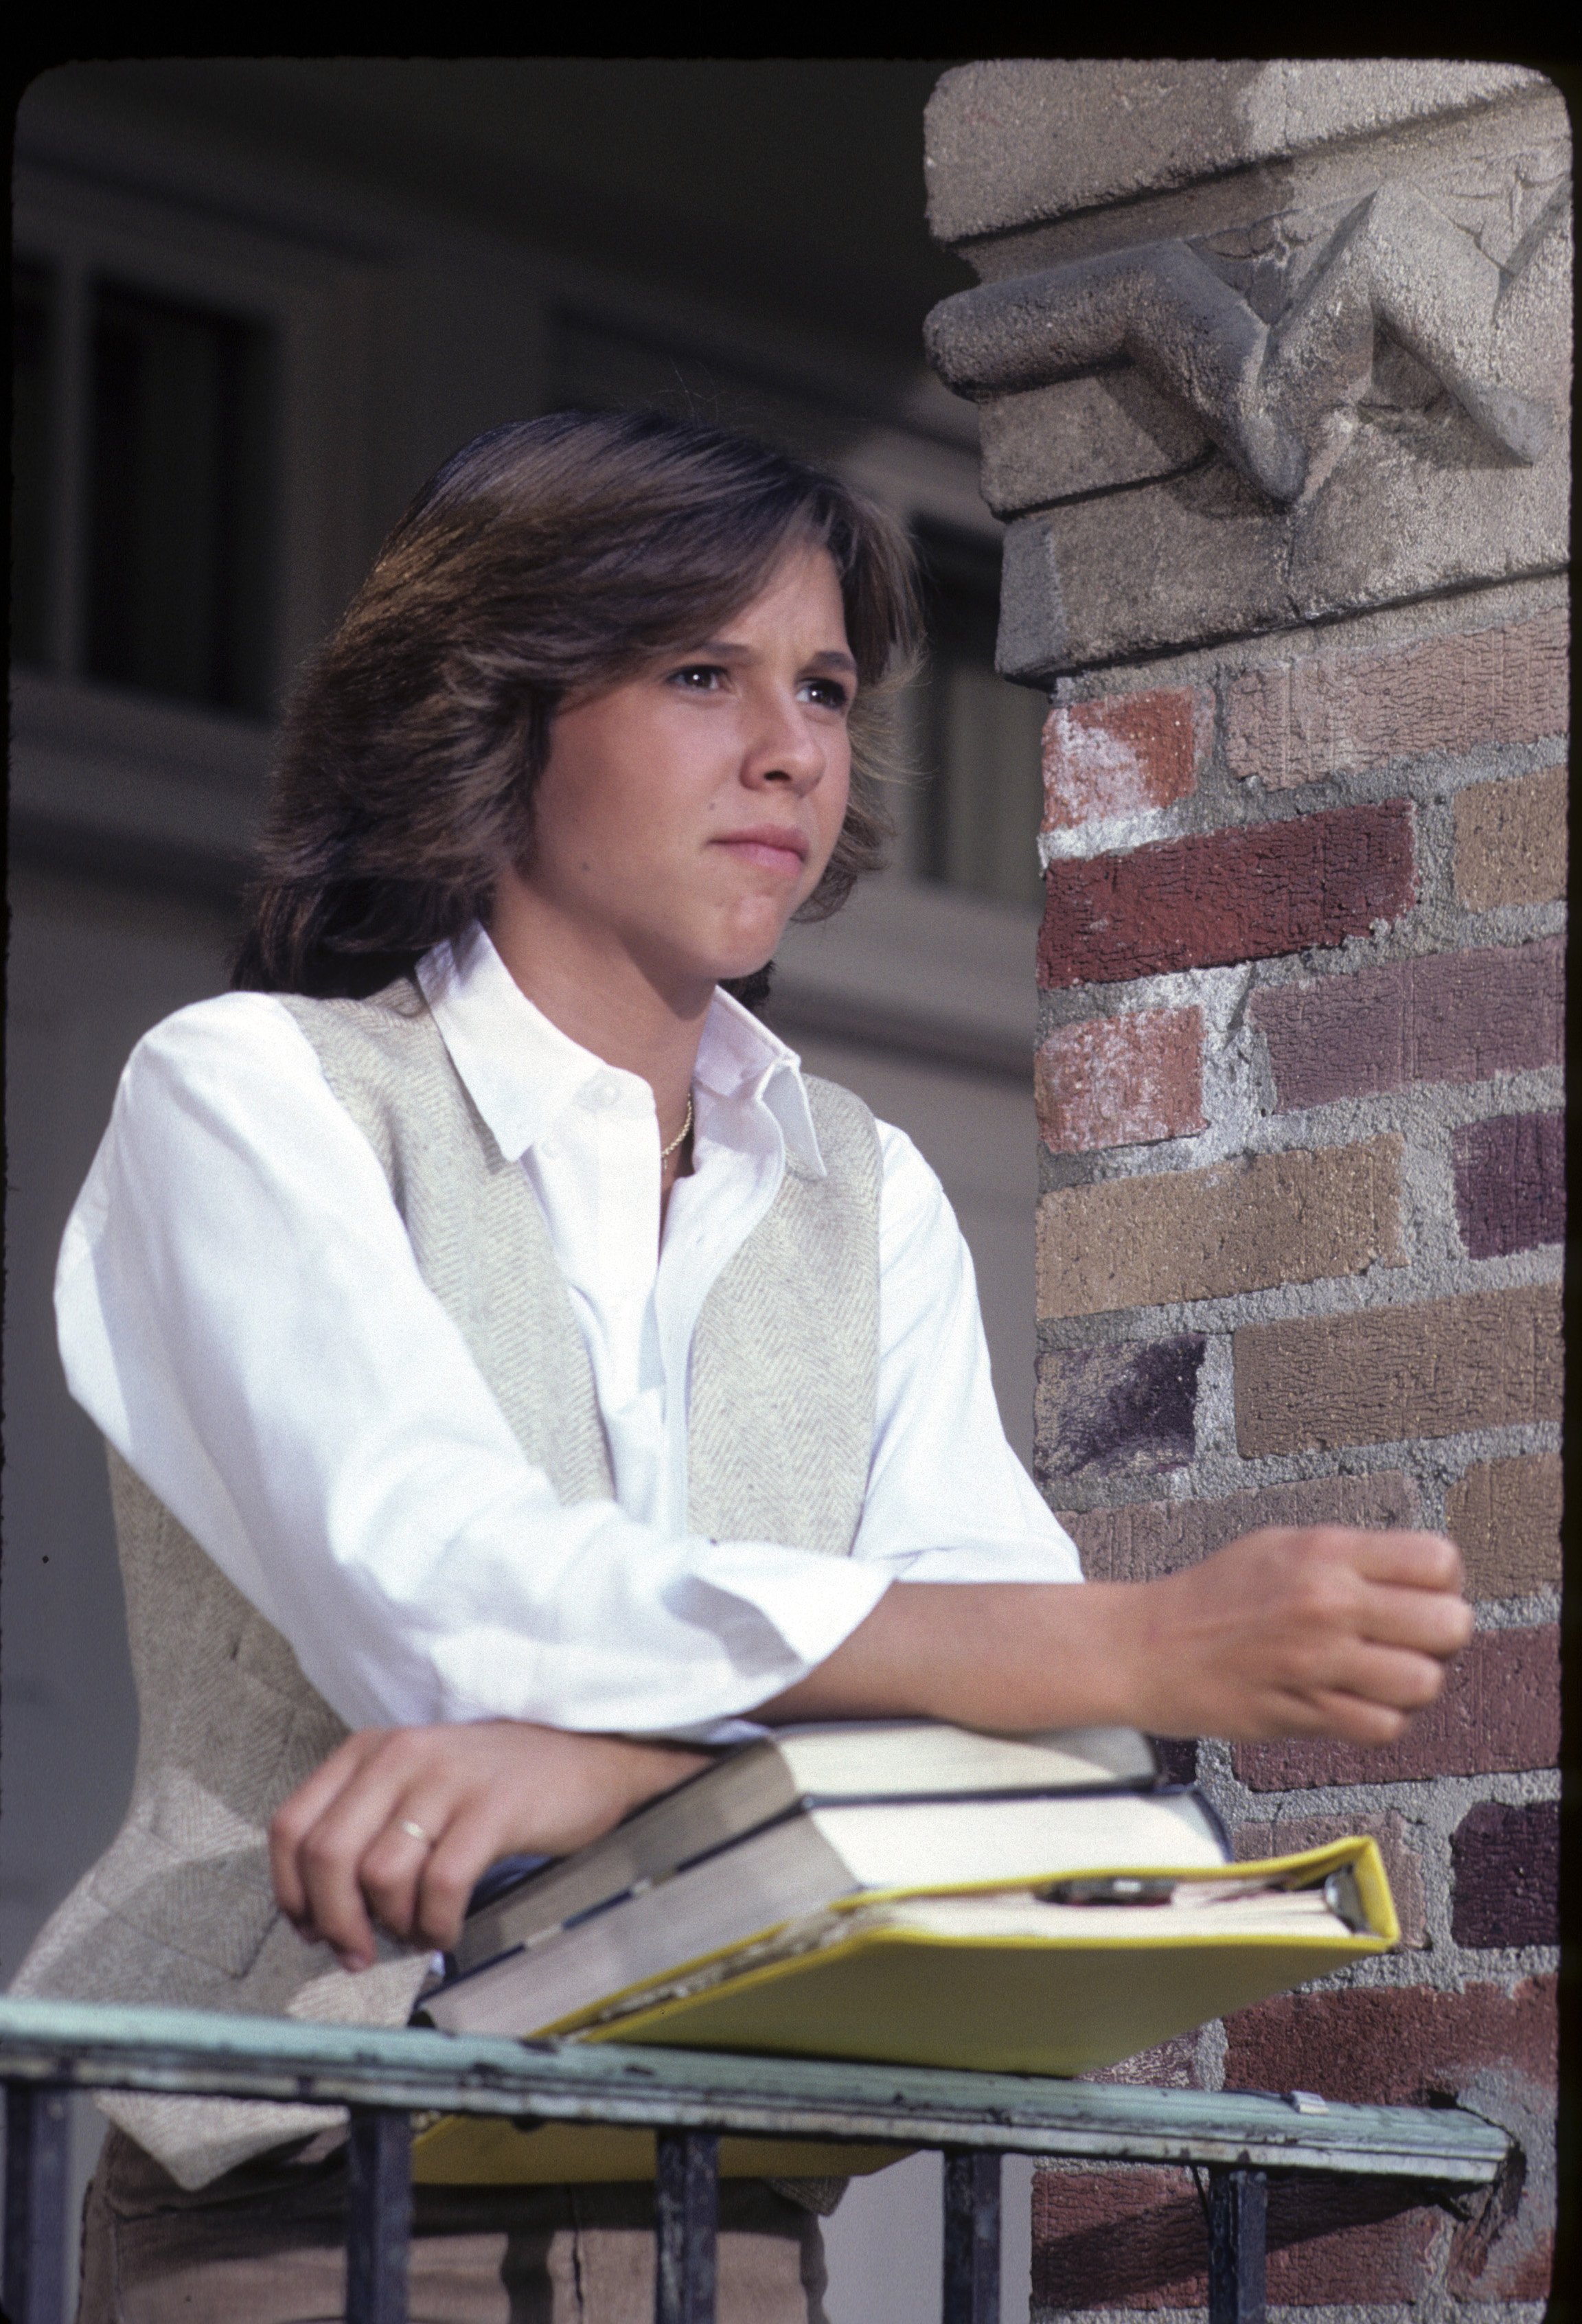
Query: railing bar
{"x": 972, "y": 2237}
{"x": 132, "y": 2041}
{"x": 38, "y": 2142}
{"x": 1238, "y": 2240}
{"x": 1473, "y": 2158}
{"x": 1431, "y": 2145}
{"x": 686, "y": 2223}
{"x": 378, "y": 2215}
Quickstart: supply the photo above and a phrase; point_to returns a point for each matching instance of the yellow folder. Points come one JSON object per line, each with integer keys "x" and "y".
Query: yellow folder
{"x": 1009, "y": 2004}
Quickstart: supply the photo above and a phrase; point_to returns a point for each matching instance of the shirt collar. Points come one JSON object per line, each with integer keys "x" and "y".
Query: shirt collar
{"x": 522, "y": 1072}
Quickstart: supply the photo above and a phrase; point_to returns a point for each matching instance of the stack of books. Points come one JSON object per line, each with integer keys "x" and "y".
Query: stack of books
{"x": 899, "y": 1891}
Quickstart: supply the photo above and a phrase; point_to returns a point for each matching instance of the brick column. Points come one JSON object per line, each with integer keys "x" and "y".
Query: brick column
{"x": 1272, "y": 365}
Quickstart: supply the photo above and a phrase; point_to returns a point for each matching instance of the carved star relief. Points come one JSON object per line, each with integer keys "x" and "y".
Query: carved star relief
{"x": 1276, "y": 397}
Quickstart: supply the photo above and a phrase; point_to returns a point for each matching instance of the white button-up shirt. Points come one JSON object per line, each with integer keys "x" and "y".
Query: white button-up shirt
{"x": 241, "y": 1313}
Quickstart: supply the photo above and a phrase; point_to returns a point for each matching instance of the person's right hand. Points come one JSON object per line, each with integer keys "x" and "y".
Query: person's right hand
{"x": 398, "y": 1824}
{"x": 1295, "y": 1630}
{"x": 1310, "y": 1630}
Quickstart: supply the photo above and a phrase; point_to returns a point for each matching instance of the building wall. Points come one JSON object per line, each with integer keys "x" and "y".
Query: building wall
{"x": 1292, "y": 573}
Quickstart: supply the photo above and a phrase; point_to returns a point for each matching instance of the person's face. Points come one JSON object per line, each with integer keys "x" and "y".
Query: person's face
{"x": 683, "y": 814}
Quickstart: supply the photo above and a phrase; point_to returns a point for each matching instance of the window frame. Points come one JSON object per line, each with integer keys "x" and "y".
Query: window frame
{"x": 317, "y": 307}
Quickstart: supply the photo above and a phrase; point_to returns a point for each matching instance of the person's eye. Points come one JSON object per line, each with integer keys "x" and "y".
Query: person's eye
{"x": 700, "y": 676}
{"x": 828, "y": 693}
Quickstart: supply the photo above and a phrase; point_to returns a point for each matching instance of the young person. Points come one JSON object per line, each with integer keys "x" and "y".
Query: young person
{"x": 517, "y": 1372}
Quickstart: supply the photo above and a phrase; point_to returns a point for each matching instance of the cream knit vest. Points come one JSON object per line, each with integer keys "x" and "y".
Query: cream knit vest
{"x": 179, "y": 1910}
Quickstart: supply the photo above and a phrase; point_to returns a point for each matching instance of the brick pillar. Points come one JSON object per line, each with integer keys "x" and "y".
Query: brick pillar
{"x": 1272, "y": 366}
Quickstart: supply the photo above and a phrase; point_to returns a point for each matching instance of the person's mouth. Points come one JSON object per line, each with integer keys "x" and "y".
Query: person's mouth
{"x": 773, "y": 846}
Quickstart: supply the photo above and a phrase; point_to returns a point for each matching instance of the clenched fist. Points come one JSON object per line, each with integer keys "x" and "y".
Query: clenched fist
{"x": 1317, "y": 1630}
{"x": 1296, "y": 1630}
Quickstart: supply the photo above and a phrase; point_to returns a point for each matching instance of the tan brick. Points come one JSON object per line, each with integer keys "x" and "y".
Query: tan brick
{"x": 1511, "y": 841}
{"x": 1143, "y": 1538}
{"x": 1123, "y": 754}
{"x": 1285, "y": 1834}
{"x": 1488, "y": 1360}
{"x": 1121, "y": 1081}
{"x": 1506, "y": 1515}
{"x": 1296, "y": 722}
{"x": 1207, "y": 1234}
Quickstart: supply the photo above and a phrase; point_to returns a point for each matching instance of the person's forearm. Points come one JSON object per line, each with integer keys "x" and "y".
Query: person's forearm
{"x": 1011, "y": 1655}
{"x": 1289, "y": 1631}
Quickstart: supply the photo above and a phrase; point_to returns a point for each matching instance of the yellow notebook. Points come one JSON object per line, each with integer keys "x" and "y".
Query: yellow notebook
{"x": 993, "y": 1980}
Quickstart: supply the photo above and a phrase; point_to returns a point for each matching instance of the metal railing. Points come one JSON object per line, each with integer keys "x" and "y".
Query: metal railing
{"x": 689, "y": 2099}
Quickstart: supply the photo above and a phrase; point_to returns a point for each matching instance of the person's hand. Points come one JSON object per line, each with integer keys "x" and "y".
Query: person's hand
{"x": 1315, "y": 1630}
{"x": 399, "y": 1823}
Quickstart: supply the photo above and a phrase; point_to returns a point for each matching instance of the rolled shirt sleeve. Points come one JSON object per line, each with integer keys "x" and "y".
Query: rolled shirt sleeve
{"x": 241, "y": 1313}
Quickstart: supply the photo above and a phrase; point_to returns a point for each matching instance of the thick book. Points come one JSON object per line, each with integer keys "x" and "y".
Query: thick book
{"x": 751, "y": 1786}
{"x": 1058, "y": 1976}
{"x": 813, "y": 1854}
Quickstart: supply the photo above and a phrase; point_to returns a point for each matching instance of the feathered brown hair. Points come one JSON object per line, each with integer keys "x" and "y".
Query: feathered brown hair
{"x": 547, "y": 560}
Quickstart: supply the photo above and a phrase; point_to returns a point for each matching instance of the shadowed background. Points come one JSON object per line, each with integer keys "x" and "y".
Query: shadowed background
{"x": 255, "y": 303}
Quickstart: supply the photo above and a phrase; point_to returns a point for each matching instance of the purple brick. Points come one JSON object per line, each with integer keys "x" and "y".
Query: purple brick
{"x": 1452, "y": 1017}
{"x": 1507, "y": 1871}
{"x": 1510, "y": 1182}
{"x": 1178, "y": 1758}
{"x": 1124, "y": 1409}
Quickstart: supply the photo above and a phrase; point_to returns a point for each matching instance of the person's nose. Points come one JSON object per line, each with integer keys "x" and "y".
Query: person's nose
{"x": 787, "y": 751}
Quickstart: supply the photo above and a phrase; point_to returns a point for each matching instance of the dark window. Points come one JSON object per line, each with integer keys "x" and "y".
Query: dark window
{"x": 32, "y": 342}
{"x": 978, "y": 825}
{"x": 179, "y": 562}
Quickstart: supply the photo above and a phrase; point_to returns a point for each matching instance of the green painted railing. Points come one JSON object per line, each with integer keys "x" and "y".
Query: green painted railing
{"x": 689, "y": 2098}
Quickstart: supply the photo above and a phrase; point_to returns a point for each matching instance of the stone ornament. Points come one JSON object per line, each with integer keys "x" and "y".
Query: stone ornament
{"x": 1208, "y": 402}
{"x": 1271, "y": 397}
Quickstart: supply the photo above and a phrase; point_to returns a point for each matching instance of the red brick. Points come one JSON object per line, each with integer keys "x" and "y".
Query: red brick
{"x": 1132, "y": 2239}
{"x": 1510, "y": 1182}
{"x": 1406, "y": 2046}
{"x": 1129, "y": 1409}
{"x": 1285, "y": 1834}
{"x": 1486, "y": 1359}
{"x": 1143, "y": 1538}
{"x": 1248, "y": 893}
{"x": 1500, "y": 1712}
{"x": 1520, "y": 2266}
{"x": 1294, "y": 722}
{"x": 1124, "y": 753}
{"x": 1135, "y": 2238}
{"x": 1121, "y": 1081}
{"x": 1400, "y": 2045}
{"x": 1507, "y": 1872}
{"x": 1453, "y": 1017}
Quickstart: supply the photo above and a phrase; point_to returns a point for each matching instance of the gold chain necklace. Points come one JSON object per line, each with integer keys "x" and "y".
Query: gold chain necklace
{"x": 680, "y": 1135}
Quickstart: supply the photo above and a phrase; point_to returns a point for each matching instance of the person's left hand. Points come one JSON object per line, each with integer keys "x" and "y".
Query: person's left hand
{"x": 399, "y": 1822}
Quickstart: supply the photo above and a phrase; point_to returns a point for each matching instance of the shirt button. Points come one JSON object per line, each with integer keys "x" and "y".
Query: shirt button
{"x": 602, "y": 1094}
